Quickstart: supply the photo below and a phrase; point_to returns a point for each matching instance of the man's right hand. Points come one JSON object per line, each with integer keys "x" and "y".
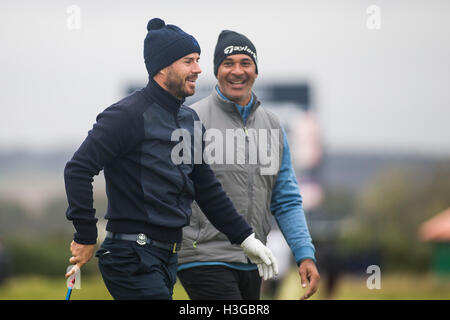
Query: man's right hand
{"x": 81, "y": 254}
{"x": 261, "y": 255}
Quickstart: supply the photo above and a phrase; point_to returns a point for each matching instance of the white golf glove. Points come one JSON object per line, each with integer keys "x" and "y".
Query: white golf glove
{"x": 260, "y": 255}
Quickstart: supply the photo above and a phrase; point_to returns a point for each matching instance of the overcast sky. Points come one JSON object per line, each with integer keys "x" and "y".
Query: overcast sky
{"x": 381, "y": 90}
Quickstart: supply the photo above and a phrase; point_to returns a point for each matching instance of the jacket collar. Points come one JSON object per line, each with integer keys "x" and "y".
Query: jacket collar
{"x": 154, "y": 91}
{"x": 230, "y": 107}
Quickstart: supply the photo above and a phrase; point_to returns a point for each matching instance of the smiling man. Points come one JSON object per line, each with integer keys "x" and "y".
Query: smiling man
{"x": 236, "y": 78}
{"x": 210, "y": 267}
{"x": 149, "y": 196}
{"x": 179, "y": 78}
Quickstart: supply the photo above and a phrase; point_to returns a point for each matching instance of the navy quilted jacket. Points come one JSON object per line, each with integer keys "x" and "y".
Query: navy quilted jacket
{"x": 147, "y": 192}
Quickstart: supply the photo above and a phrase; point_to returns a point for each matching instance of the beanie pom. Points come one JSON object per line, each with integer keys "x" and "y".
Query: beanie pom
{"x": 155, "y": 24}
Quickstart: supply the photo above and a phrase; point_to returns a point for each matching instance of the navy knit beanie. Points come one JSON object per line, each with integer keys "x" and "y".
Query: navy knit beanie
{"x": 165, "y": 44}
{"x": 231, "y": 42}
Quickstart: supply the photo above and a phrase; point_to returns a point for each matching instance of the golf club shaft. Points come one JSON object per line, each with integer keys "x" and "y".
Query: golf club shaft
{"x": 69, "y": 292}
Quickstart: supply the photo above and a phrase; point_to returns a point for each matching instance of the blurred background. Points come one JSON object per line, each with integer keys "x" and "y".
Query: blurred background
{"x": 360, "y": 86}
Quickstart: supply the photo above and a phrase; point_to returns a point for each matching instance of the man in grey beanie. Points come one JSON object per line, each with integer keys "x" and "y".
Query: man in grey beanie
{"x": 209, "y": 266}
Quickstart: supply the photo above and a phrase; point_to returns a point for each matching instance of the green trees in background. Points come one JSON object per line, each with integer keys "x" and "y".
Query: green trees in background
{"x": 385, "y": 214}
{"x": 38, "y": 242}
{"x": 390, "y": 210}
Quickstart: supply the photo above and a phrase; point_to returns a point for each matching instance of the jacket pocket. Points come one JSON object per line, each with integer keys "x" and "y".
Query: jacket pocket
{"x": 118, "y": 257}
{"x": 233, "y": 181}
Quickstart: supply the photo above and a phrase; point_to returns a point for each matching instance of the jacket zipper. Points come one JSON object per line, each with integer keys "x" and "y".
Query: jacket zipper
{"x": 247, "y": 160}
{"x": 250, "y": 175}
{"x": 178, "y": 167}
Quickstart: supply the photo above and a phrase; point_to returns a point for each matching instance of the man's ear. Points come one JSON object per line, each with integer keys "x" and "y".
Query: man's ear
{"x": 163, "y": 71}
{"x": 161, "y": 75}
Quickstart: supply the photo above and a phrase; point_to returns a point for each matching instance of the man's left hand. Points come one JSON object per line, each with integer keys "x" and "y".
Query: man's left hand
{"x": 309, "y": 277}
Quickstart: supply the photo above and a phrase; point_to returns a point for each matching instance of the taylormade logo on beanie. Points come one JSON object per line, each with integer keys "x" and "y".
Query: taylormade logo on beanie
{"x": 229, "y": 50}
{"x": 164, "y": 44}
{"x": 231, "y": 42}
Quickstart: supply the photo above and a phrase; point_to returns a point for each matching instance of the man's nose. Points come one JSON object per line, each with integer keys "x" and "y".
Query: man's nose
{"x": 237, "y": 70}
{"x": 197, "y": 68}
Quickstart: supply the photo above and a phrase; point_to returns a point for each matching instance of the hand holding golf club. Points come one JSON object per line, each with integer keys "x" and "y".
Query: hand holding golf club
{"x": 81, "y": 254}
{"x": 261, "y": 255}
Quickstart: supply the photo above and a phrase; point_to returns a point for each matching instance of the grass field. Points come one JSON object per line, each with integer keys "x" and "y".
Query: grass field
{"x": 393, "y": 286}
{"x": 42, "y": 288}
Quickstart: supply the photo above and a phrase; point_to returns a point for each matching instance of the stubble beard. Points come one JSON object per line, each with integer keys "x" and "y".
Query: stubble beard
{"x": 176, "y": 83}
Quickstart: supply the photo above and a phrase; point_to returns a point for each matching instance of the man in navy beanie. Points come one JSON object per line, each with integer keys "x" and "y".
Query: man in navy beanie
{"x": 149, "y": 194}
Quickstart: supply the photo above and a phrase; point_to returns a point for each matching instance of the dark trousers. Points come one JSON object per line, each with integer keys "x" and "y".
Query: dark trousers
{"x": 132, "y": 271}
{"x": 220, "y": 283}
